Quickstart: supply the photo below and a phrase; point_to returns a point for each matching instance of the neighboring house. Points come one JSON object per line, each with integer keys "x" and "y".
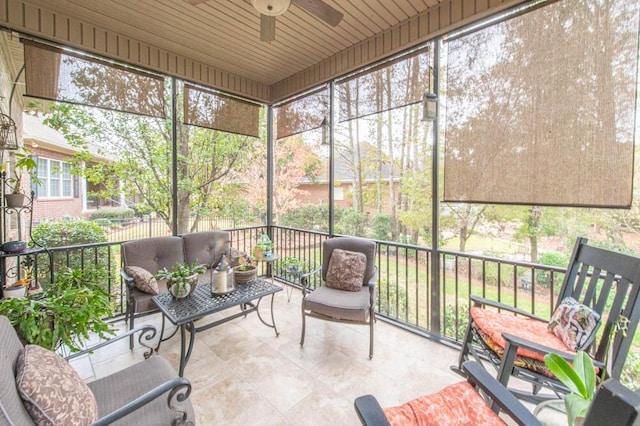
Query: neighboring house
{"x": 318, "y": 189}
{"x": 60, "y": 194}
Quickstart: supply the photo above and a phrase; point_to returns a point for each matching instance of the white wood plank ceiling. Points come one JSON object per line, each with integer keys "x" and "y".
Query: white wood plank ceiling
{"x": 226, "y": 33}
{"x": 217, "y": 42}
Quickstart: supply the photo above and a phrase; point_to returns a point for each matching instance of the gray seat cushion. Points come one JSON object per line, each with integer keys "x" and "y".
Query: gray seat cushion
{"x": 205, "y": 247}
{"x": 339, "y": 304}
{"x": 143, "y": 300}
{"x": 153, "y": 254}
{"x": 114, "y": 391}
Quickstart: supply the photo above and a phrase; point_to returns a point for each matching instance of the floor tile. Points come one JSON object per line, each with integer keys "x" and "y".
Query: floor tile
{"x": 242, "y": 374}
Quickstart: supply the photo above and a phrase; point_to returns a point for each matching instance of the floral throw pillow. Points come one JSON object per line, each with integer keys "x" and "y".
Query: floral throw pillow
{"x": 52, "y": 391}
{"x": 574, "y": 323}
{"x": 346, "y": 270}
{"x": 143, "y": 279}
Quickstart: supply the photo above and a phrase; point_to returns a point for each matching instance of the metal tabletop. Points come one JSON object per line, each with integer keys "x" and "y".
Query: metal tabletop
{"x": 202, "y": 303}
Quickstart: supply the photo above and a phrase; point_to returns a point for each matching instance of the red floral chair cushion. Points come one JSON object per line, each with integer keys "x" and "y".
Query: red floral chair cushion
{"x": 455, "y": 405}
{"x": 493, "y": 324}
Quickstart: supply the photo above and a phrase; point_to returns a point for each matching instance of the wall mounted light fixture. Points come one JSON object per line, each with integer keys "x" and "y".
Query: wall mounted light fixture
{"x": 8, "y": 136}
{"x": 429, "y": 107}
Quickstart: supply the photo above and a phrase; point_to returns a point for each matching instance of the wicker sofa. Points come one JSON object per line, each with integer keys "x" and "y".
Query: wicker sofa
{"x": 154, "y": 254}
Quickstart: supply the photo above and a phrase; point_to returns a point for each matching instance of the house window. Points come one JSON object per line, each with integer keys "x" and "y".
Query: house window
{"x": 55, "y": 177}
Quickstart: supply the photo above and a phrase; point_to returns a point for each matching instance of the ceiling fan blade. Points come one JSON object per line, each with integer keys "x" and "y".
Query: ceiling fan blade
{"x": 195, "y": 2}
{"x": 267, "y": 27}
{"x": 321, "y": 10}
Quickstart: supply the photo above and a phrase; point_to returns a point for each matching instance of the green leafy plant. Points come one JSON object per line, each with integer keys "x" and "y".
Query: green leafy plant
{"x": 24, "y": 163}
{"x": 71, "y": 233}
{"x": 580, "y": 377}
{"x": 180, "y": 275}
{"x": 294, "y": 265}
{"x": 64, "y": 313}
{"x": 246, "y": 263}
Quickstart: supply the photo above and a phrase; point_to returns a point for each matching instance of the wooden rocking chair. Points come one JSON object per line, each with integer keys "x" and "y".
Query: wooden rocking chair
{"x": 515, "y": 341}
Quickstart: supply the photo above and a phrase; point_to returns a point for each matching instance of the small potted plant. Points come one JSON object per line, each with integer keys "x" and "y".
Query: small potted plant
{"x": 16, "y": 289}
{"x": 24, "y": 163}
{"x": 182, "y": 279}
{"x": 245, "y": 271}
{"x": 263, "y": 248}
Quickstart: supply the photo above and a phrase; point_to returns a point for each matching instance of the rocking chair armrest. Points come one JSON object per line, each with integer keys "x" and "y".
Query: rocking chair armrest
{"x": 147, "y": 332}
{"x": 369, "y": 411}
{"x": 480, "y": 378}
{"x": 515, "y": 342}
{"x": 371, "y": 414}
{"x": 481, "y": 301}
{"x": 179, "y": 390}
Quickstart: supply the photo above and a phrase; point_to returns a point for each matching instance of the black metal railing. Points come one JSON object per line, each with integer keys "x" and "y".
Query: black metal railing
{"x": 404, "y": 281}
{"x": 404, "y": 276}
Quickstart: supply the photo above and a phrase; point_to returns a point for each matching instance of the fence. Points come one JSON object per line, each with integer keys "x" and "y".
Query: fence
{"x": 404, "y": 276}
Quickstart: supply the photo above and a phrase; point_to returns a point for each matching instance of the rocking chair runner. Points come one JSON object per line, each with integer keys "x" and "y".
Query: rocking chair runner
{"x": 515, "y": 341}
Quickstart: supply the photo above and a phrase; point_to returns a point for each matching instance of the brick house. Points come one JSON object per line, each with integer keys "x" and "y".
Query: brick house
{"x": 61, "y": 194}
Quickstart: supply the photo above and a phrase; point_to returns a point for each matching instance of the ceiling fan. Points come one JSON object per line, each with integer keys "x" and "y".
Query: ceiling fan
{"x": 269, "y": 9}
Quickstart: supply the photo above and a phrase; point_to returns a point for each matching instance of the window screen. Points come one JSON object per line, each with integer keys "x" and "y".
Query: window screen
{"x": 540, "y": 108}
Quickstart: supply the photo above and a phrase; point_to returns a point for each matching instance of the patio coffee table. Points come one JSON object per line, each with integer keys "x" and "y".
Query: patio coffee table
{"x": 183, "y": 312}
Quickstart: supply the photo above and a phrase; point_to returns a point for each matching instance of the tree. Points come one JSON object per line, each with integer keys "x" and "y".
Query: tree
{"x": 295, "y": 163}
{"x": 538, "y": 222}
{"x": 138, "y": 152}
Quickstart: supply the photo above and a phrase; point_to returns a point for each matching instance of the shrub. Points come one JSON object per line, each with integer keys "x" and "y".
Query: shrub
{"x": 104, "y": 223}
{"x": 67, "y": 233}
{"x": 452, "y": 328}
{"x": 381, "y": 227}
{"x": 312, "y": 217}
{"x": 543, "y": 278}
{"x": 70, "y": 233}
{"x": 351, "y": 222}
{"x": 113, "y": 213}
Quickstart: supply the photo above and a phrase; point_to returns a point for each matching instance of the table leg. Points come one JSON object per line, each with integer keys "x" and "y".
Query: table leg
{"x": 192, "y": 338}
{"x": 161, "y": 335}
{"x": 273, "y": 321}
{"x": 183, "y": 361}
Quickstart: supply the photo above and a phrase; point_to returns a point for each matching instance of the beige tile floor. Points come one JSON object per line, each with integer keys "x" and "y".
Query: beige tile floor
{"x": 243, "y": 375}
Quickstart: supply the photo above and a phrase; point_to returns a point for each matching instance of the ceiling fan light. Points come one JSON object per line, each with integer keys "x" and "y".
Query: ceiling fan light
{"x": 271, "y": 7}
